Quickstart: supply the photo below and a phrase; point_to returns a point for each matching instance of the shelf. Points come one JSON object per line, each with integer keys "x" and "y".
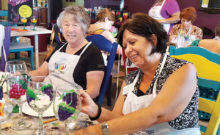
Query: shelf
{"x": 210, "y": 10}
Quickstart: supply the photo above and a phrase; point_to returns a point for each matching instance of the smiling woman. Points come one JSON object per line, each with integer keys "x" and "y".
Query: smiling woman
{"x": 77, "y": 64}
{"x": 149, "y": 101}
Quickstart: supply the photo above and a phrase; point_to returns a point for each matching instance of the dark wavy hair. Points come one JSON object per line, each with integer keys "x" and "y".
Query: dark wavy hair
{"x": 143, "y": 25}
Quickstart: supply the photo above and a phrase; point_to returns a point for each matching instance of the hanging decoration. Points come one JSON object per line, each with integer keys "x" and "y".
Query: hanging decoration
{"x": 122, "y": 4}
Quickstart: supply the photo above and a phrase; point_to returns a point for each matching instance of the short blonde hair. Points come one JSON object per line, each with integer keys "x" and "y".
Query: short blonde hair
{"x": 105, "y": 13}
{"x": 79, "y": 15}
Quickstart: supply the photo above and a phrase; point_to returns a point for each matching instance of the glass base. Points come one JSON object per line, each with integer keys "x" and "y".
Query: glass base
{"x": 40, "y": 132}
{"x": 21, "y": 125}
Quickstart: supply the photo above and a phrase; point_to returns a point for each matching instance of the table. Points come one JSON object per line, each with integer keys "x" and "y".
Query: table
{"x": 52, "y": 128}
{"x": 30, "y": 32}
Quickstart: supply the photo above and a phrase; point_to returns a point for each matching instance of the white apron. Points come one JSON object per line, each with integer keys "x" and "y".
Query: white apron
{"x": 133, "y": 103}
{"x": 155, "y": 12}
{"x": 61, "y": 68}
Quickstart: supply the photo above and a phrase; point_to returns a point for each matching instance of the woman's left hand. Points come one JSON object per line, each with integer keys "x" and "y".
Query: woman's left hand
{"x": 91, "y": 130}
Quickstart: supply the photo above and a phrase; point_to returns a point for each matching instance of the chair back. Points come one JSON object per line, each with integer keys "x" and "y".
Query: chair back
{"x": 207, "y": 65}
{"x": 5, "y": 47}
{"x": 211, "y": 107}
{"x": 55, "y": 35}
{"x": 105, "y": 45}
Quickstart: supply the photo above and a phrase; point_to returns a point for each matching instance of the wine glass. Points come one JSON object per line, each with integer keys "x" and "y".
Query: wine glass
{"x": 67, "y": 107}
{"x": 16, "y": 67}
{"x": 24, "y": 21}
{"x": 39, "y": 97}
{"x": 17, "y": 85}
{"x": 34, "y": 21}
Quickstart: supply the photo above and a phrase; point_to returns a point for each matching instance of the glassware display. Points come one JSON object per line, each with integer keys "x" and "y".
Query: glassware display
{"x": 17, "y": 86}
{"x": 67, "y": 107}
{"x": 34, "y": 21}
{"x": 39, "y": 97}
{"x": 24, "y": 21}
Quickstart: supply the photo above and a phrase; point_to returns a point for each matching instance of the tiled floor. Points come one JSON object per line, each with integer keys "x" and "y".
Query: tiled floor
{"x": 116, "y": 78}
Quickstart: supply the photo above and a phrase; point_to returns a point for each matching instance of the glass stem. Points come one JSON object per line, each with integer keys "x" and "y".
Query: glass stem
{"x": 40, "y": 122}
{"x": 21, "y": 121}
{"x": 66, "y": 128}
{"x": 0, "y": 128}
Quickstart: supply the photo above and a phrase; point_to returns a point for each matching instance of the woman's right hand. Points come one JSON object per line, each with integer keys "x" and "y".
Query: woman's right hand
{"x": 88, "y": 106}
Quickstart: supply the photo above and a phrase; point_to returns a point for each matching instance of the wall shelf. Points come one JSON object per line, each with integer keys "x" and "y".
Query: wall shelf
{"x": 210, "y": 10}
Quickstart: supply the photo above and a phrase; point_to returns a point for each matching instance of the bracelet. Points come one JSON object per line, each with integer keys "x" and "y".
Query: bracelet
{"x": 99, "y": 113}
{"x": 105, "y": 128}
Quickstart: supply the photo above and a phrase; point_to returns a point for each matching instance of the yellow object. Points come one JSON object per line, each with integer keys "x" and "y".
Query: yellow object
{"x": 4, "y": 4}
{"x": 205, "y": 68}
{"x": 1, "y": 109}
{"x": 34, "y": 20}
{"x": 24, "y": 20}
{"x": 6, "y": 125}
{"x": 213, "y": 108}
{"x": 205, "y": 3}
{"x": 25, "y": 11}
{"x": 50, "y": 120}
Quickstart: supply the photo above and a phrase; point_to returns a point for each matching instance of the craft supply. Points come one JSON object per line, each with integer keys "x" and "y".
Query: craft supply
{"x": 50, "y": 120}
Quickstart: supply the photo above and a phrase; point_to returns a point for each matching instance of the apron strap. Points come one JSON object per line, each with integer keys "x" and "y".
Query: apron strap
{"x": 85, "y": 48}
{"x": 163, "y": 3}
{"x": 126, "y": 91}
{"x": 162, "y": 65}
{"x": 61, "y": 47}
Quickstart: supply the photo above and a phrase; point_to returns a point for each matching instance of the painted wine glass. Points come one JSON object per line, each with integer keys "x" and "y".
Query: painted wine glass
{"x": 34, "y": 21}
{"x": 39, "y": 98}
{"x": 24, "y": 21}
{"x": 17, "y": 86}
{"x": 67, "y": 107}
{"x": 16, "y": 67}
